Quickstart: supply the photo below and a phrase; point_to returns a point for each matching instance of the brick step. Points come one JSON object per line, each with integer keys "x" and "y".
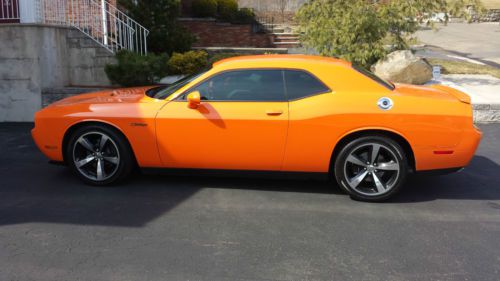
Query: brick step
{"x": 242, "y": 50}
{"x": 273, "y": 28}
{"x": 285, "y": 34}
{"x": 279, "y": 26}
{"x": 287, "y": 44}
{"x": 277, "y": 30}
{"x": 286, "y": 39}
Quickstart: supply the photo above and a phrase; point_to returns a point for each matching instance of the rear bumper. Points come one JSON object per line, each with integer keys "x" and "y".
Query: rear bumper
{"x": 436, "y": 158}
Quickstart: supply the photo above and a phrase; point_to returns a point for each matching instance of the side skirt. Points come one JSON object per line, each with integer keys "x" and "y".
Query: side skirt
{"x": 237, "y": 173}
{"x": 439, "y": 172}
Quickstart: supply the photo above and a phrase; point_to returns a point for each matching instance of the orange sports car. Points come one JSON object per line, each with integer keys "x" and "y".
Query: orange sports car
{"x": 289, "y": 113}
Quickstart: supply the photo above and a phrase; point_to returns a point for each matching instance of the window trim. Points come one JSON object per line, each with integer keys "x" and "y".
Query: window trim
{"x": 165, "y": 86}
{"x": 373, "y": 77}
{"x": 181, "y": 97}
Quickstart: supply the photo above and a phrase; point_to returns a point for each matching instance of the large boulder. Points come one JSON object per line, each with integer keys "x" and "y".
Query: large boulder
{"x": 403, "y": 67}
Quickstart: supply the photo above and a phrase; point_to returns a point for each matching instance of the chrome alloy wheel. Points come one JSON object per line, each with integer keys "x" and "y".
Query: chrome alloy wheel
{"x": 372, "y": 169}
{"x": 96, "y": 156}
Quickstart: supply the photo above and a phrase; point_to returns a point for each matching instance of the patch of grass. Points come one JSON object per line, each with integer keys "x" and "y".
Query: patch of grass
{"x": 462, "y": 67}
{"x": 491, "y": 4}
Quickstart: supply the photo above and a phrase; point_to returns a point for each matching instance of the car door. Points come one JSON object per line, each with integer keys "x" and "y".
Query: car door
{"x": 241, "y": 123}
{"x": 312, "y": 124}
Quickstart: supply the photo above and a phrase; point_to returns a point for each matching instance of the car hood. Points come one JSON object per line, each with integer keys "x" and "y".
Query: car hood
{"x": 126, "y": 95}
{"x": 433, "y": 91}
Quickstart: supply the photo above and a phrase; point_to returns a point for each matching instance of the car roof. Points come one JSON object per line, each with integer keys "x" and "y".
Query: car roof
{"x": 278, "y": 60}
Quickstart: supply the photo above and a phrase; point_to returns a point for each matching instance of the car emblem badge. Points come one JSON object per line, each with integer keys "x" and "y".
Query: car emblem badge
{"x": 385, "y": 103}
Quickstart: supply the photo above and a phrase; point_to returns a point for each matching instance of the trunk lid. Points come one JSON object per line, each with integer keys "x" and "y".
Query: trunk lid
{"x": 433, "y": 91}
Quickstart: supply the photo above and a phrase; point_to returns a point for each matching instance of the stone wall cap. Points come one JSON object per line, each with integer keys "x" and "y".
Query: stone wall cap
{"x": 196, "y": 19}
{"x": 34, "y": 25}
{"x": 240, "y": 49}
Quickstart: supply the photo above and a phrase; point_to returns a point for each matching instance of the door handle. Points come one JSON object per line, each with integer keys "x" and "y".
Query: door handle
{"x": 274, "y": 112}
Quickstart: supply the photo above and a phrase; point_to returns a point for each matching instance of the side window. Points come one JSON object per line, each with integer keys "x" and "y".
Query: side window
{"x": 301, "y": 84}
{"x": 244, "y": 85}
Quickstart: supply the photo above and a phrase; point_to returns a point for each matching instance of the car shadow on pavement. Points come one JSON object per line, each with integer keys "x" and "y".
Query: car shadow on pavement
{"x": 64, "y": 199}
{"x": 59, "y": 197}
{"x": 478, "y": 181}
{"x": 33, "y": 191}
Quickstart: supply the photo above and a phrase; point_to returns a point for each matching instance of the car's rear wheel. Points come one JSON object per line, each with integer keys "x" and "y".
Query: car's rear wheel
{"x": 371, "y": 168}
{"x": 99, "y": 155}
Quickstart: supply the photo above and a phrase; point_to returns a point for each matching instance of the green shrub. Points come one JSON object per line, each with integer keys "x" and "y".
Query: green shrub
{"x": 204, "y": 8}
{"x": 137, "y": 70}
{"x": 244, "y": 16}
{"x": 359, "y": 30}
{"x": 227, "y": 10}
{"x": 166, "y": 35}
{"x": 188, "y": 62}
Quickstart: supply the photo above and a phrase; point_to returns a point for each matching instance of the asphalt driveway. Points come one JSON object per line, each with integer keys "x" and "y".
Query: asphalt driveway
{"x": 479, "y": 41}
{"x": 52, "y": 227}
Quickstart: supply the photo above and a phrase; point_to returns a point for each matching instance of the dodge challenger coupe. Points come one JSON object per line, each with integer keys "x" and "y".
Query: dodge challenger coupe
{"x": 288, "y": 113}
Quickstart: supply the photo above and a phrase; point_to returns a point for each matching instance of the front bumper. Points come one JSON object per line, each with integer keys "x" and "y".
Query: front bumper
{"x": 47, "y": 143}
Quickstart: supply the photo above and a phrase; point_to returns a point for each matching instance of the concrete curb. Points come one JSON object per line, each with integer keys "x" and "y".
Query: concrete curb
{"x": 486, "y": 113}
{"x": 483, "y": 111}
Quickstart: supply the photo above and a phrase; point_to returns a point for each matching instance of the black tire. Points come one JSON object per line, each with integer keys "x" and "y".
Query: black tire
{"x": 118, "y": 169}
{"x": 364, "y": 180}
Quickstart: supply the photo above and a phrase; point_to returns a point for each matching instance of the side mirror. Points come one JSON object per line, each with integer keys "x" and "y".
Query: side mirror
{"x": 194, "y": 99}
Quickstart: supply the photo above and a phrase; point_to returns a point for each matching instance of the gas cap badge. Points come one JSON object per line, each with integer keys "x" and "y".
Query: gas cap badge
{"x": 385, "y": 103}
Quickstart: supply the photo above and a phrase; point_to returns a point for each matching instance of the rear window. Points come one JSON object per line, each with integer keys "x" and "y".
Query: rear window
{"x": 374, "y": 77}
{"x": 300, "y": 84}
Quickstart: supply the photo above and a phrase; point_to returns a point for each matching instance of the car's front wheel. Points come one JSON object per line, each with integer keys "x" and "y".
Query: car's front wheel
{"x": 371, "y": 168}
{"x": 99, "y": 155}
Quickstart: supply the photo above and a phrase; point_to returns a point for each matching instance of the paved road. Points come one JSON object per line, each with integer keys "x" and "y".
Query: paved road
{"x": 196, "y": 228}
{"x": 475, "y": 41}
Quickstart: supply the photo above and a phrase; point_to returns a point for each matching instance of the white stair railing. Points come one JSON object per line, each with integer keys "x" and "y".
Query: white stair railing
{"x": 9, "y": 11}
{"x": 99, "y": 20}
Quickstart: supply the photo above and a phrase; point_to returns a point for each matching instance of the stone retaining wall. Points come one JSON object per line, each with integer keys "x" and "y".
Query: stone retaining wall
{"x": 51, "y": 95}
{"x": 34, "y": 57}
{"x": 486, "y": 113}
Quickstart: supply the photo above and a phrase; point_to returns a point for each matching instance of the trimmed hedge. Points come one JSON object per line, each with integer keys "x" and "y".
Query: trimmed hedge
{"x": 244, "y": 16}
{"x": 204, "y": 8}
{"x": 188, "y": 62}
{"x": 133, "y": 69}
{"x": 227, "y": 10}
{"x": 137, "y": 70}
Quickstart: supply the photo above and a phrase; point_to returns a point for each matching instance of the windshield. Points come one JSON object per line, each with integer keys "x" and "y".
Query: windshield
{"x": 374, "y": 77}
{"x": 162, "y": 92}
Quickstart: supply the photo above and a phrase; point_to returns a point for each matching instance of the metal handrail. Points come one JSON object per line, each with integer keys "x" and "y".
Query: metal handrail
{"x": 99, "y": 20}
{"x": 9, "y": 10}
{"x": 263, "y": 24}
